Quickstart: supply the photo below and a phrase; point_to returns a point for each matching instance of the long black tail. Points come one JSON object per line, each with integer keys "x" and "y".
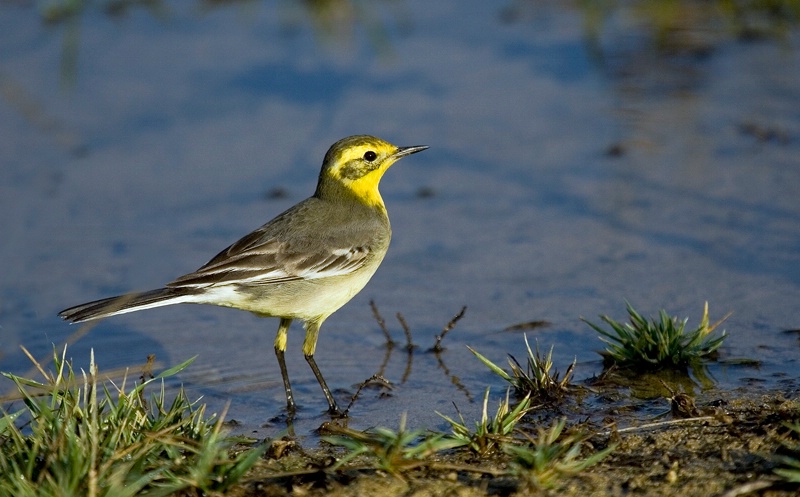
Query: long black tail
{"x": 127, "y": 303}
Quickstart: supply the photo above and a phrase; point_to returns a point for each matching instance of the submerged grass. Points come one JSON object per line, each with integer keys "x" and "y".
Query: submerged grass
{"x": 81, "y": 438}
{"x": 651, "y": 344}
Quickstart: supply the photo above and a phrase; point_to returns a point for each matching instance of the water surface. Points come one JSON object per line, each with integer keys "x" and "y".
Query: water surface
{"x": 563, "y": 178}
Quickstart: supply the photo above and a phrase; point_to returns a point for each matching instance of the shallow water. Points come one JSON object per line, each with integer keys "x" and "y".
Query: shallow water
{"x": 559, "y": 183}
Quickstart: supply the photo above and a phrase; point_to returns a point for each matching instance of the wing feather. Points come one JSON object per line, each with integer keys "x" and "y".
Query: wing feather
{"x": 274, "y": 262}
{"x": 285, "y": 250}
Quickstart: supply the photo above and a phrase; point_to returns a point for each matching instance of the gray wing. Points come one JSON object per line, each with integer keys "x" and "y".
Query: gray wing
{"x": 279, "y": 252}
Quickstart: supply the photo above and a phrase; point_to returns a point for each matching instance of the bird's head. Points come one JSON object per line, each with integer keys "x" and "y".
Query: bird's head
{"x": 355, "y": 165}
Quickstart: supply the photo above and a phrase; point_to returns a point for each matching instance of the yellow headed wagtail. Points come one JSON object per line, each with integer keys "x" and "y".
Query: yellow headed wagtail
{"x": 304, "y": 264}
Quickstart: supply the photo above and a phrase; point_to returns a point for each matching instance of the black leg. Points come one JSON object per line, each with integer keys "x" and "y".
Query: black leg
{"x": 332, "y": 408}
{"x": 280, "y": 347}
{"x": 286, "y": 385}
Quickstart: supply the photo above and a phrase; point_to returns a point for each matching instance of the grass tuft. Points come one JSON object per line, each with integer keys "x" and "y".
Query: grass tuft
{"x": 551, "y": 456}
{"x": 658, "y": 343}
{"x": 538, "y": 381}
{"x": 80, "y": 438}
{"x": 392, "y": 451}
{"x": 789, "y": 462}
{"x": 489, "y": 434}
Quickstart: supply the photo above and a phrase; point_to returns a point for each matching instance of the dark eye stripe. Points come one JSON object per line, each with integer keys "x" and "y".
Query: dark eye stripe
{"x": 370, "y": 156}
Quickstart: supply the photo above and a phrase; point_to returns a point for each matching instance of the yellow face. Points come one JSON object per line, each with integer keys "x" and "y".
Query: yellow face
{"x": 358, "y": 163}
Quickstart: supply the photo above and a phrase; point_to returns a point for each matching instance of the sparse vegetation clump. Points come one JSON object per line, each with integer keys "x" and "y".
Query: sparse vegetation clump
{"x": 789, "y": 461}
{"x": 552, "y": 455}
{"x": 75, "y": 437}
{"x": 535, "y": 463}
{"x": 652, "y": 344}
{"x": 538, "y": 381}
{"x": 389, "y": 450}
{"x": 490, "y": 434}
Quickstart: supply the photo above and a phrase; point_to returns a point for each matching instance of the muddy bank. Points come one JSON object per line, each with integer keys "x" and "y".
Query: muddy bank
{"x": 729, "y": 449}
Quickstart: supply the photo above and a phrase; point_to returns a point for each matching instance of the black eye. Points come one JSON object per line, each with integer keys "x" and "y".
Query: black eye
{"x": 370, "y": 156}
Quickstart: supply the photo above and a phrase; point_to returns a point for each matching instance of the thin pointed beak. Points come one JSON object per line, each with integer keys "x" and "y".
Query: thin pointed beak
{"x": 403, "y": 151}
